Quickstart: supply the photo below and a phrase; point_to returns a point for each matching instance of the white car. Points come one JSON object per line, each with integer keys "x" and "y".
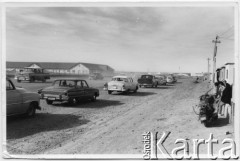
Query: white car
{"x": 122, "y": 84}
{"x": 170, "y": 79}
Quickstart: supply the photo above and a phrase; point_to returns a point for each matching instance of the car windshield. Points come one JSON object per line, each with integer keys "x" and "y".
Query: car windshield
{"x": 147, "y": 77}
{"x": 70, "y": 83}
{"x": 64, "y": 83}
{"x": 160, "y": 77}
{"x": 119, "y": 79}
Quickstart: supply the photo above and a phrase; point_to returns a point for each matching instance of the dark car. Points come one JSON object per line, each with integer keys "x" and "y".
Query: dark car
{"x": 96, "y": 76}
{"x": 68, "y": 90}
{"x": 148, "y": 80}
{"x": 32, "y": 74}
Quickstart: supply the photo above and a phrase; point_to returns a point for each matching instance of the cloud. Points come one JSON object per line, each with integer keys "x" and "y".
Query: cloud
{"x": 148, "y": 35}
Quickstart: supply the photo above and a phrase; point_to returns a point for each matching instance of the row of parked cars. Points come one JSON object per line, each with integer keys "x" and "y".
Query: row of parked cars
{"x": 127, "y": 84}
{"x": 21, "y": 101}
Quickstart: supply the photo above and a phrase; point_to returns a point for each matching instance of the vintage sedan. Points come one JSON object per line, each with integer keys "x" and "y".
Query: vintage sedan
{"x": 21, "y": 101}
{"x": 68, "y": 90}
{"x": 161, "y": 79}
{"x": 148, "y": 80}
{"x": 122, "y": 84}
{"x": 171, "y": 79}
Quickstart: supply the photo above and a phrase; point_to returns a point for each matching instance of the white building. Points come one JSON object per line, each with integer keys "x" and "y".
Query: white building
{"x": 229, "y": 73}
{"x": 64, "y": 68}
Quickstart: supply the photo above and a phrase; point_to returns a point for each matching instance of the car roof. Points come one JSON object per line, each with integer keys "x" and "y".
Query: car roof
{"x": 121, "y": 76}
{"x": 72, "y": 79}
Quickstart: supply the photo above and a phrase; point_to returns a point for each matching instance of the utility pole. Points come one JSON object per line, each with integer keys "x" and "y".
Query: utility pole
{"x": 214, "y": 57}
{"x": 208, "y": 74}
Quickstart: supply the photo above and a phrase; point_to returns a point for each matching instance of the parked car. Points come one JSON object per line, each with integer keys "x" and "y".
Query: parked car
{"x": 68, "y": 90}
{"x": 161, "y": 79}
{"x": 21, "y": 101}
{"x": 174, "y": 78}
{"x": 122, "y": 84}
{"x": 171, "y": 79}
{"x": 96, "y": 76}
{"x": 32, "y": 74}
{"x": 148, "y": 80}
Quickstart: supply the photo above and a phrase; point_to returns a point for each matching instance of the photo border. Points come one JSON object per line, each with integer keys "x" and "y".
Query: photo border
{"x": 126, "y": 3}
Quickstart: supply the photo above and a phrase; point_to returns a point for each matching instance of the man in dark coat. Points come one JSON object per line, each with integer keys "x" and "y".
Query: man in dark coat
{"x": 226, "y": 95}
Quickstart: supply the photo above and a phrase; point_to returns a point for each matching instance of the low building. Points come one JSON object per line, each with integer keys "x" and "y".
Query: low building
{"x": 222, "y": 74}
{"x": 197, "y": 74}
{"x": 229, "y": 73}
{"x": 63, "y": 68}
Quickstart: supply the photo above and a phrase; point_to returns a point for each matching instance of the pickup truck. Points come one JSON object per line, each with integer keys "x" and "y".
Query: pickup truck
{"x": 148, "y": 80}
{"x": 32, "y": 74}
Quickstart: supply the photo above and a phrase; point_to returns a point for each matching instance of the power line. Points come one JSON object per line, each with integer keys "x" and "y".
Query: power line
{"x": 226, "y": 31}
{"x": 227, "y": 37}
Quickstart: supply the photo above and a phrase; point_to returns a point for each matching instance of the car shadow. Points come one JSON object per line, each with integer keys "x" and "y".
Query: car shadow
{"x": 19, "y": 126}
{"x": 137, "y": 94}
{"x": 165, "y": 87}
{"x": 169, "y": 84}
{"x": 99, "y": 103}
{"x": 177, "y": 82}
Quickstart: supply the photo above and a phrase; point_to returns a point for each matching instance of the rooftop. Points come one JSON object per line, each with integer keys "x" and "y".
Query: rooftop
{"x": 58, "y": 65}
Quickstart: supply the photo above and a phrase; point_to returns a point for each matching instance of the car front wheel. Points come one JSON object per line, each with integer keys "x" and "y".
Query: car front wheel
{"x": 135, "y": 89}
{"x": 94, "y": 98}
{"x": 49, "y": 102}
{"x": 109, "y": 92}
{"x": 71, "y": 101}
{"x": 31, "y": 110}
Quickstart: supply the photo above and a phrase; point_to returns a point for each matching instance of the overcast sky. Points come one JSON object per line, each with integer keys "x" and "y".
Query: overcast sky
{"x": 159, "y": 39}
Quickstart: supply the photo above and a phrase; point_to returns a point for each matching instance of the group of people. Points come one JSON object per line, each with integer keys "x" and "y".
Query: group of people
{"x": 223, "y": 95}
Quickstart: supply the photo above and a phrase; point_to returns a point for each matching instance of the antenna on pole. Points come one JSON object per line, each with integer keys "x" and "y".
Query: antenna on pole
{"x": 214, "y": 56}
{"x": 208, "y": 69}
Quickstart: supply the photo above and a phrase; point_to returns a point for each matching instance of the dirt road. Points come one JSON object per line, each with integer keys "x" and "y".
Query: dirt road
{"x": 114, "y": 124}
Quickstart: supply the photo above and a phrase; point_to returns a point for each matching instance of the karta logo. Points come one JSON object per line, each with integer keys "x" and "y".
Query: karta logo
{"x": 154, "y": 148}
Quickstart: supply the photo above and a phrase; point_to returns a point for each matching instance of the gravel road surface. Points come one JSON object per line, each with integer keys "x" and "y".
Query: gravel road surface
{"x": 114, "y": 124}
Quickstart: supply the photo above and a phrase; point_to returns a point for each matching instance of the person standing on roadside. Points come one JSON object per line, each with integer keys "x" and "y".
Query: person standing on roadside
{"x": 226, "y": 96}
{"x": 217, "y": 96}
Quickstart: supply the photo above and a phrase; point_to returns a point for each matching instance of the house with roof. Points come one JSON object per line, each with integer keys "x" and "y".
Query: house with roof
{"x": 59, "y": 68}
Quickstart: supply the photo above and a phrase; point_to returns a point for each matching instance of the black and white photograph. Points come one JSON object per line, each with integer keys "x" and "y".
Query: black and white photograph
{"x": 144, "y": 81}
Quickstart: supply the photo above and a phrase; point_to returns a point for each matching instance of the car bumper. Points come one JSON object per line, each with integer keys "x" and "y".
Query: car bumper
{"x": 146, "y": 85}
{"x": 23, "y": 78}
{"x": 117, "y": 89}
{"x": 55, "y": 97}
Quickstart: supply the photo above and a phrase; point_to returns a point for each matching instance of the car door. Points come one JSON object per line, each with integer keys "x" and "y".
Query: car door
{"x": 14, "y": 99}
{"x": 88, "y": 92}
{"x": 131, "y": 83}
{"x": 80, "y": 90}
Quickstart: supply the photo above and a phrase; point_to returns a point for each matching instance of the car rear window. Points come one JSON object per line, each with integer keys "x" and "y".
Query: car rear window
{"x": 120, "y": 79}
{"x": 146, "y": 76}
{"x": 64, "y": 83}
